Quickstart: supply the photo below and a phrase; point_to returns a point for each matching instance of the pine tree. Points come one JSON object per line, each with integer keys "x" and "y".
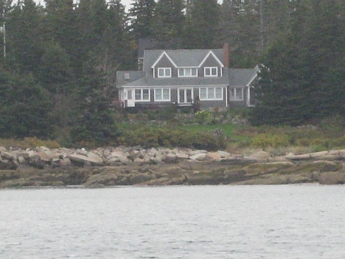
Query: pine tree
{"x": 202, "y": 25}
{"x": 168, "y": 21}
{"x": 141, "y": 16}
{"x": 93, "y": 120}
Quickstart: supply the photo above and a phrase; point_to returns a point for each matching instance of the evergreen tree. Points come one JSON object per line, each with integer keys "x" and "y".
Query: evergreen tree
{"x": 168, "y": 21}
{"x": 141, "y": 15}
{"x": 240, "y": 27}
{"x": 24, "y": 37}
{"x": 301, "y": 81}
{"x": 202, "y": 25}
{"x": 24, "y": 106}
{"x": 94, "y": 122}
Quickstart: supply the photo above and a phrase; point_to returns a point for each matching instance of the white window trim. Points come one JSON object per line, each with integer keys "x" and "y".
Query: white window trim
{"x": 211, "y": 99}
{"x": 196, "y": 75}
{"x": 142, "y": 95}
{"x": 164, "y": 69}
{"x": 162, "y": 95}
{"x": 210, "y": 68}
{"x": 233, "y": 97}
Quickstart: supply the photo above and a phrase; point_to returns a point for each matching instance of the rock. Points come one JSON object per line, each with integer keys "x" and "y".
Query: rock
{"x": 9, "y": 155}
{"x": 196, "y": 152}
{"x": 65, "y": 162}
{"x": 44, "y": 157}
{"x": 198, "y": 157}
{"x": 213, "y": 156}
{"x": 83, "y": 160}
{"x": 117, "y": 156}
{"x": 170, "y": 159}
{"x": 260, "y": 156}
{"x": 223, "y": 154}
{"x": 95, "y": 159}
{"x": 292, "y": 156}
{"x": 332, "y": 178}
{"x": 21, "y": 160}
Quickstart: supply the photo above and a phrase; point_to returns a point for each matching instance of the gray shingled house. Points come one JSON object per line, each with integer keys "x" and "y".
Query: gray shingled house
{"x": 185, "y": 78}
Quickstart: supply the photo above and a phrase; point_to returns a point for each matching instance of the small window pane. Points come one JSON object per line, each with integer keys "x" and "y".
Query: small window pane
{"x": 203, "y": 93}
{"x": 137, "y": 94}
{"x": 214, "y": 71}
{"x": 167, "y": 72}
{"x": 239, "y": 94}
{"x": 166, "y": 94}
{"x": 160, "y": 72}
{"x": 207, "y": 72}
{"x": 219, "y": 93}
{"x": 145, "y": 94}
{"x": 181, "y": 72}
{"x": 193, "y": 71}
{"x": 210, "y": 93}
{"x": 158, "y": 95}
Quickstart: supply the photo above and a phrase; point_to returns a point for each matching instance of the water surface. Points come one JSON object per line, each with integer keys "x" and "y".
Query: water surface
{"x": 249, "y": 222}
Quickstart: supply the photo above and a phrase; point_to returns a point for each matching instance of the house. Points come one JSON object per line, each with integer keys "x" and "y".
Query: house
{"x": 185, "y": 78}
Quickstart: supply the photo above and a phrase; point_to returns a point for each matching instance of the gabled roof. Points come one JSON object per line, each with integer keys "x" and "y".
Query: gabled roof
{"x": 182, "y": 57}
{"x": 242, "y": 77}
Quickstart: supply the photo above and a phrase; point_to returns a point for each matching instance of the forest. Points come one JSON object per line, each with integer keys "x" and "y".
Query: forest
{"x": 59, "y": 60}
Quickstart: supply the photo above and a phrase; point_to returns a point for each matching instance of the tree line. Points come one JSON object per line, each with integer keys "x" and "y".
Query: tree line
{"x": 59, "y": 61}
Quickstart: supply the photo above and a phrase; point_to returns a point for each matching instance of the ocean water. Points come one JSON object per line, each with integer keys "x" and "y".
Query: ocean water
{"x": 244, "y": 222}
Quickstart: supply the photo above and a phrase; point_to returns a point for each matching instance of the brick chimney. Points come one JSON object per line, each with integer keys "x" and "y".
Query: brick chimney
{"x": 226, "y": 54}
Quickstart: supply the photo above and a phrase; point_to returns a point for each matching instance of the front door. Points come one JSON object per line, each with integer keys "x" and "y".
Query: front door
{"x": 185, "y": 96}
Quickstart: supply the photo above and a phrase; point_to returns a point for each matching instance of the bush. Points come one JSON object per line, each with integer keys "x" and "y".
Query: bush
{"x": 204, "y": 117}
{"x": 265, "y": 140}
{"x": 171, "y": 137}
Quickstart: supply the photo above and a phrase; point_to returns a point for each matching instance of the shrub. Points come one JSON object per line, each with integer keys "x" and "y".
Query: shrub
{"x": 203, "y": 117}
{"x": 265, "y": 140}
{"x": 167, "y": 137}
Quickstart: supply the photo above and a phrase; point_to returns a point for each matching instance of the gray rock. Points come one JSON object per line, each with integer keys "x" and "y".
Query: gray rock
{"x": 198, "y": 157}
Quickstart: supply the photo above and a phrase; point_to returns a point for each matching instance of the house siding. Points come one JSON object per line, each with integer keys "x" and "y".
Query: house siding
{"x": 165, "y": 62}
{"x": 209, "y": 62}
{"x": 241, "y": 103}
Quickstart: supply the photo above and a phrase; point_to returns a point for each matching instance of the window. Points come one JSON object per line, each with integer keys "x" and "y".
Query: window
{"x": 164, "y": 72}
{"x": 142, "y": 95}
{"x": 211, "y": 93}
{"x": 187, "y": 72}
{"x": 210, "y": 71}
{"x": 162, "y": 94}
{"x": 236, "y": 94}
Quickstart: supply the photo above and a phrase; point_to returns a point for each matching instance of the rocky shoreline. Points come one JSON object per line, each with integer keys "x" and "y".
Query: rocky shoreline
{"x": 121, "y": 166}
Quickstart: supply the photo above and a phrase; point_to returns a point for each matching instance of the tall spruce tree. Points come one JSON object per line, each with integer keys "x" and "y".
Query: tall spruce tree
{"x": 141, "y": 16}
{"x": 300, "y": 81}
{"x": 24, "y": 37}
{"x": 168, "y": 21}
{"x": 202, "y": 26}
{"x": 93, "y": 121}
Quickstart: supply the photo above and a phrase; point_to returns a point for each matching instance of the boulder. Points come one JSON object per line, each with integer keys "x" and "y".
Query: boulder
{"x": 223, "y": 154}
{"x": 198, "y": 157}
{"x": 260, "y": 156}
{"x": 95, "y": 159}
{"x": 170, "y": 159}
{"x": 213, "y": 156}
{"x": 9, "y": 155}
{"x": 332, "y": 178}
{"x": 85, "y": 160}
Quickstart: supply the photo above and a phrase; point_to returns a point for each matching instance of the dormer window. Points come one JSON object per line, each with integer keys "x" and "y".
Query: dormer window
{"x": 210, "y": 71}
{"x": 164, "y": 72}
{"x": 187, "y": 72}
